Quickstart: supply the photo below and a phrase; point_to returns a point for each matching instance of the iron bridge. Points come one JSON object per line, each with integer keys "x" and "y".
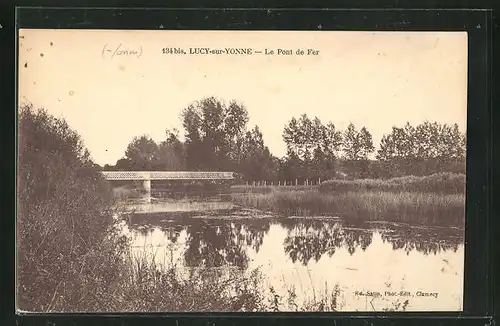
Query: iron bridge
{"x": 167, "y": 175}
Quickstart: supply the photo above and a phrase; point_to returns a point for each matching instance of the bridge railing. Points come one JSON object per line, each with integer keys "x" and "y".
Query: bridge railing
{"x": 168, "y": 175}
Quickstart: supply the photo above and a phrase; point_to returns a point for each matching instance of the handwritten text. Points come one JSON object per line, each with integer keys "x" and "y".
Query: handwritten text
{"x": 112, "y": 51}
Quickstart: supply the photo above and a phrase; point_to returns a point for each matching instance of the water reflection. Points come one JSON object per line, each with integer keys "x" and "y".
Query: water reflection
{"x": 216, "y": 242}
{"x": 308, "y": 240}
{"x": 211, "y": 242}
{"x": 425, "y": 240}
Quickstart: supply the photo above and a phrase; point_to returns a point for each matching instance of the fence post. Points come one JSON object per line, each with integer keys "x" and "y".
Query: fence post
{"x": 296, "y": 182}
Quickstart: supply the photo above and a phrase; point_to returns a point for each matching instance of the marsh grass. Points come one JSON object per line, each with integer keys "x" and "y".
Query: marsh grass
{"x": 404, "y": 207}
{"x": 327, "y": 300}
{"x": 243, "y": 189}
{"x": 439, "y": 183}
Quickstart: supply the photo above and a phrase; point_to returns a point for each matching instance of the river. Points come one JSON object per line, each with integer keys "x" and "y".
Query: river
{"x": 376, "y": 266}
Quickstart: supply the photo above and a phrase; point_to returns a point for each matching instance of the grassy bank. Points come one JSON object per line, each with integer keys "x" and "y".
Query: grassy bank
{"x": 440, "y": 183}
{"x": 406, "y": 207}
{"x": 146, "y": 286}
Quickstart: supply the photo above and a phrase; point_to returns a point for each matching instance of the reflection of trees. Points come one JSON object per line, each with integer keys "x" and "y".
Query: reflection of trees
{"x": 211, "y": 242}
{"x": 308, "y": 240}
{"x": 427, "y": 241}
{"x": 214, "y": 243}
{"x": 220, "y": 242}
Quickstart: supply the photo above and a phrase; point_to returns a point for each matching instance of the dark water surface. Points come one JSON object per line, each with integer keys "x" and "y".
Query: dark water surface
{"x": 312, "y": 254}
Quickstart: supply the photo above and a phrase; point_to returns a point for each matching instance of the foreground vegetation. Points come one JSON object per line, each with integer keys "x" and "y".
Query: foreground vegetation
{"x": 65, "y": 229}
{"x": 166, "y": 287}
{"x": 433, "y": 200}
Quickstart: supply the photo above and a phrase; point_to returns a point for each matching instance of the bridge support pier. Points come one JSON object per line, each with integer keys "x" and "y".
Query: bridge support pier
{"x": 147, "y": 186}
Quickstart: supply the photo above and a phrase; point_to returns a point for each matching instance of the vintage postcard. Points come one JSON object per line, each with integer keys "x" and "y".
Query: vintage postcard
{"x": 249, "y": 171}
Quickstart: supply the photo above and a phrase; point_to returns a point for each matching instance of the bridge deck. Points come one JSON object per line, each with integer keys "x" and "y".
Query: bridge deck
{"x": 167, "y": 175}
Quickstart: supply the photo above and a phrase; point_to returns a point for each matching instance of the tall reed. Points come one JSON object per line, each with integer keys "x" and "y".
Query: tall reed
{"x": 441, "y": 183}
{"x": 408, "y": 207}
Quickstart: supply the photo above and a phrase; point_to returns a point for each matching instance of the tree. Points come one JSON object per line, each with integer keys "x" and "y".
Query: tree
{"x": 331, "y": 141}
{"x": 311, "y": 145}
{"x": 142, "y": 153}
{"x": 211, "y": 131}
{"x": 171, "y": 153}
{"x": 424, "y": 149}
{"x": 123, "y": 164}
{"x": 291, "y": 166}
{"x": 366, "y": 141}
{"x": 167, "y": 158}
{"x": 357, "y": 145}
{"x": 302, "y": 136}
{"x": 291, "y": 136}
{"x": 255, "y": 161}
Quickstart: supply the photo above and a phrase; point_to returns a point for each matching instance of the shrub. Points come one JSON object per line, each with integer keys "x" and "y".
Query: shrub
{"x": 64, "y": 223}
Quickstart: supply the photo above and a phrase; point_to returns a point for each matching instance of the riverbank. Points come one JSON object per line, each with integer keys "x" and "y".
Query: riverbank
{"x": 147, "y": 286}
{"x": 421, "y": 201}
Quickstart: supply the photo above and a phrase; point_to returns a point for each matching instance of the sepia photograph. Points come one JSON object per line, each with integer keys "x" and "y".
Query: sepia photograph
{"x": 240, "y": 171}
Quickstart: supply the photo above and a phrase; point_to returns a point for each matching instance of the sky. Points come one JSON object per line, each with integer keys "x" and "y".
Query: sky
{"x": 111, "y": 86}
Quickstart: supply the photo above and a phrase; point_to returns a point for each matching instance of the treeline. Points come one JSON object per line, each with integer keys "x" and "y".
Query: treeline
{"x": 217, "y": 138}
